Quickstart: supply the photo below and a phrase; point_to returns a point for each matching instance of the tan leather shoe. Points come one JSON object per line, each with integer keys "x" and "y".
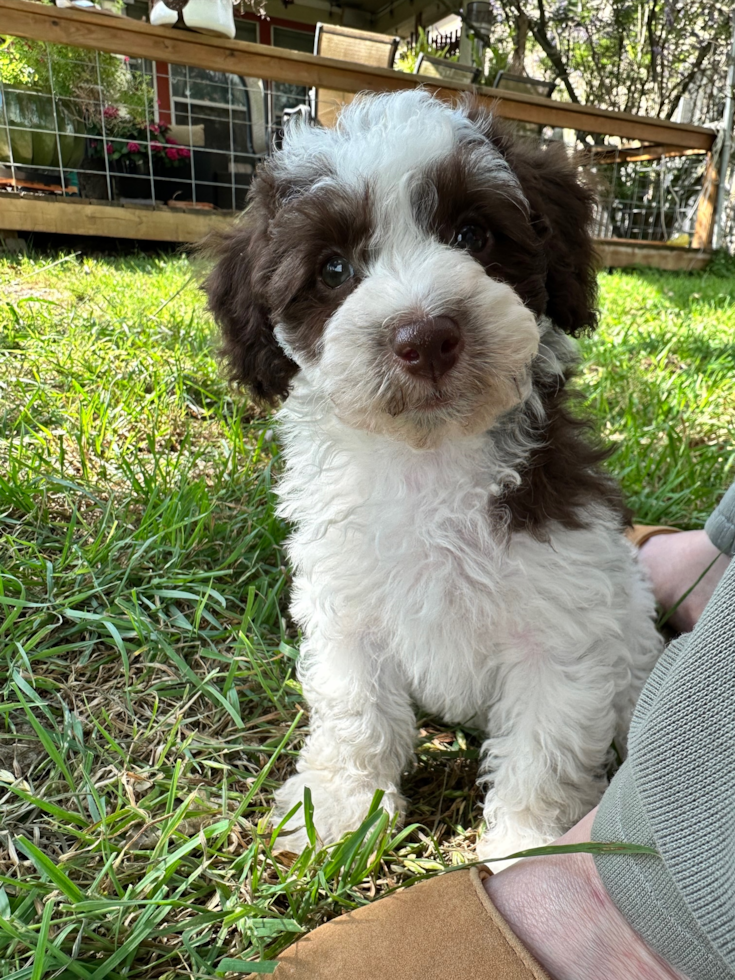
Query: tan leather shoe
{"x": 640, "y": 533}
{"x": 442, "y": 929}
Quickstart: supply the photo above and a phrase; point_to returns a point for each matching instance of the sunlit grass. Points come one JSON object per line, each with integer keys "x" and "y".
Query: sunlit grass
{"x": 660, "y": 378}
{"x": 148, "y": 702}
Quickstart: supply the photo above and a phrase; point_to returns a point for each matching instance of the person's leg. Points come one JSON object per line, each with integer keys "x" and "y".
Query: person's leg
{"x": 558, "y": 908}
{"x": 676, "y": 561}
{"x": 674, "y": 793}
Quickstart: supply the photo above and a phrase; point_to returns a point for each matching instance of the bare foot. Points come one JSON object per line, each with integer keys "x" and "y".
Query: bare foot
{"x": 674, "y": 563}
{"x": 559, "y": 909}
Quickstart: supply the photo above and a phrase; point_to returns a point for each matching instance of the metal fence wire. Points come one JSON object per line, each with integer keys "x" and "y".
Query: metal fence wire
{"x": 99, "y": 127}
{"x": 647, "y": 200}
{"x": 95, "y": 126}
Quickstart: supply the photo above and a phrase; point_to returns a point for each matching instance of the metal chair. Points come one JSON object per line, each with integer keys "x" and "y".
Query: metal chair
{"x": 347, "y": 44}
{"x": 453, "y": 71}
{"x": 508, "y": 82}
{"x": 522, "y": 83}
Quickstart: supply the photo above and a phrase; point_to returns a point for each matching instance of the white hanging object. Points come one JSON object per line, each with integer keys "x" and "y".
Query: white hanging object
{"x": 206, "y": 16}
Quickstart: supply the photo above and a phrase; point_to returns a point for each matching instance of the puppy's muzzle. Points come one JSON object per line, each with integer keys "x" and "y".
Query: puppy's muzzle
{"x": 428, "y": 348}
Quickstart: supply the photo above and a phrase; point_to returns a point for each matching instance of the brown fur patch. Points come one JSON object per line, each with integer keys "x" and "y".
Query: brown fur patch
{"x": 267, "y": 272}
{"x": 303, "y": 236}
{"x": 561, "y": 214}
{"x": 237, "y": 292}
{"x": 564, "y": 475}
{"x": 514, "y": 253}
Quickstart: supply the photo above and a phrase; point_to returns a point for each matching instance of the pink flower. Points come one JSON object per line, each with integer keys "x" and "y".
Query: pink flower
{"x": 184, "y": 153}
{"x": 110, "y": 148}
{"x": 172, "y": 153}
{"x": 154, "y": 128}
{"x": 111, "y": 112}
{"x": 170, "y": 139}
{"x": 156, "y": 147}
{"x": 126, "y": 60}
{"x": 133, "y": 148}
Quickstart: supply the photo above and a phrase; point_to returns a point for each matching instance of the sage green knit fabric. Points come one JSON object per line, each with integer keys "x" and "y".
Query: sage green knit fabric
{"x": 676, "y": 792}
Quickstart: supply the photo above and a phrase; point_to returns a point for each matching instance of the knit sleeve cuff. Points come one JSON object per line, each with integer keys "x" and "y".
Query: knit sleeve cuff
{"x": 643, "y": 889}
{"x": 721, "y": 524}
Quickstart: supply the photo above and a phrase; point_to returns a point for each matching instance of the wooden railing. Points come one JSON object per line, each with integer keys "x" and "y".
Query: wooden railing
{"x": 120, "y": 35}
{"x": 24, "y": 18}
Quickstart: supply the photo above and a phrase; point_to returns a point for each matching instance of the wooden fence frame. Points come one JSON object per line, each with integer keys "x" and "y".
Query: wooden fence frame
{"x": 121, "y": 35}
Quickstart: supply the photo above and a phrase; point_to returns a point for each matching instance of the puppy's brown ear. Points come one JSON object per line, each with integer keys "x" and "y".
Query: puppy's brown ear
{"x": 561, "y": 211}
{"x": 236, "y": 288}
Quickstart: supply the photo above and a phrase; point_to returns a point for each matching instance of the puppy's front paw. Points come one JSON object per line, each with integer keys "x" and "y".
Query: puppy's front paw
{"x": 500, "y": 842}
{"x": 340, "y": 805}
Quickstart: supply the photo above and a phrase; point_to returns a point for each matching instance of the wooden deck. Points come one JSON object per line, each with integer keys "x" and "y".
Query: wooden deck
{"x": 166, "y": 224}
{"x": 121, "y": 35}
{"x": 79, "y": 217}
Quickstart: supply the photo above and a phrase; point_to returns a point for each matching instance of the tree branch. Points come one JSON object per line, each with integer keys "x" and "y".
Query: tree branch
{"x": 686, "y": 82}
{"x": 538, "y": 29}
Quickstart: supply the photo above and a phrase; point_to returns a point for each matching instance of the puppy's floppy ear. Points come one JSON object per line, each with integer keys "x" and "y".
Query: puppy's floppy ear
{"x": 237, "y": 291}
{"x": 561, "y": 212}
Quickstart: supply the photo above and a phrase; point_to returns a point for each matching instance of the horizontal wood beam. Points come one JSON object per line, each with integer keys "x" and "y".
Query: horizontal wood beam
{"x": 122, "y": 35}
{"x": 619, "y": 253}
{"x": 637, "y": 154}
{"x": 59, "y": 217}
{"x": 32, "y": 214}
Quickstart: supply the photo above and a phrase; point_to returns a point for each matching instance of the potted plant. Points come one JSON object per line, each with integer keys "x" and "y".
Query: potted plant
{"x": 135, "y": 150}
{"x": 50, "y": 91}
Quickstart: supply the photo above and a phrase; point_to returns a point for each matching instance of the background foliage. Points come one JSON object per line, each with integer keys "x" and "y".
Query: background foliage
{"x": 91, "y": 84}
{"x": 640, "y": 56}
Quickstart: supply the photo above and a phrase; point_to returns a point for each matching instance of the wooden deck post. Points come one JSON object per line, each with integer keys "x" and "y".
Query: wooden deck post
{"x": 704, "y": 226}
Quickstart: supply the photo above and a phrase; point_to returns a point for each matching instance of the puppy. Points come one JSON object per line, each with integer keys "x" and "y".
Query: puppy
{"x": 408, "y": 282}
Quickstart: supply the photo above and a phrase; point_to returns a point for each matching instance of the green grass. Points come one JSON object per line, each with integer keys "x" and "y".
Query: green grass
{"x": 148, "y": 703}
{"x": 660, "y": 378}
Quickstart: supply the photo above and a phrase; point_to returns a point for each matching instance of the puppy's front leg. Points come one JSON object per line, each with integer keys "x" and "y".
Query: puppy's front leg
{"x": 551, "y": 731}
{"x": 362, "y": 738}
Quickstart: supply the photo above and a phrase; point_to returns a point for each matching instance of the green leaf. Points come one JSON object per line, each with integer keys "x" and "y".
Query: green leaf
{"x": 40, "y": 957}
{"x": 229, "y": 965}
{"x": 46, "y": 867}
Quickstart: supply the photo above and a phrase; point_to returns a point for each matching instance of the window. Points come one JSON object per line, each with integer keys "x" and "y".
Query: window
{"x": 285, "y": 95}
{"x": 286, "y": 37}
{"x": 215, "y": 100}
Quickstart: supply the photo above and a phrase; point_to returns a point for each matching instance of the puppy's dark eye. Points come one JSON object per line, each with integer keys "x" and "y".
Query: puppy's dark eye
{"x": 336, "y": 272}
{"x": 473, "y": 238}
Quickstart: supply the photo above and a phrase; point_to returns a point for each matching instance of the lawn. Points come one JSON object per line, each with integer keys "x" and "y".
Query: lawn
{"x": 146, "y": 657}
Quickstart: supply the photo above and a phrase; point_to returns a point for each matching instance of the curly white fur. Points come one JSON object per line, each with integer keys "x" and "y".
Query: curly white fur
{"x": 406, "y": 589}
{"x": 407, "y": 593}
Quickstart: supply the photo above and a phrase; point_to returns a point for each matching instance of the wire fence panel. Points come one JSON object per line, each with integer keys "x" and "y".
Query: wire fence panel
{"x": 99, "y": 127}
{"x": 648, "y": 200}
{"x": 644, "y": 193}
{"x": 83, "y": 124}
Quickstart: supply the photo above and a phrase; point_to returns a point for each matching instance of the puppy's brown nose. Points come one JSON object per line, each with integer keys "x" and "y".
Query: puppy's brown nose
{"x": 428, "y": 348}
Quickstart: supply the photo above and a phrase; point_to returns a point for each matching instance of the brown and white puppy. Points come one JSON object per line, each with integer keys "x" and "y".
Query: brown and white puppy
{"x": 407, "y": 282}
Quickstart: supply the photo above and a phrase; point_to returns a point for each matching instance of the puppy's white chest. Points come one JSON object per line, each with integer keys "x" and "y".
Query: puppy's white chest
{"x": 400, "y": 551}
